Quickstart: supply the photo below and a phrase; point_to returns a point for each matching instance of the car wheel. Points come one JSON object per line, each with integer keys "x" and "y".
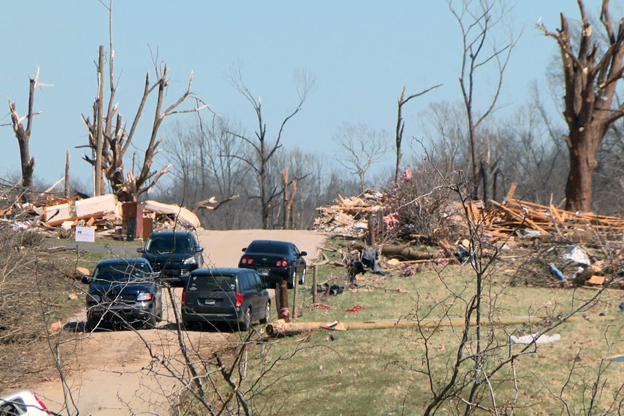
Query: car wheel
{"x": 302, "y": 280}
{"x": 90, "y": 324}
{"x": 246, "y": 324}
{"x": 152, "y": 320}
{"x": 291, "y": 281}
{"x": 267, "y": 315}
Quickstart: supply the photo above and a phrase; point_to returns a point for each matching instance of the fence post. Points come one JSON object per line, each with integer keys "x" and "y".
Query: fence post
{"x": 314, "y": 283}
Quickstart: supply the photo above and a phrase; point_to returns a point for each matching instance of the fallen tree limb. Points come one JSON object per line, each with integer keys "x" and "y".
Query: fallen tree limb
{"x": 283, "y": 328}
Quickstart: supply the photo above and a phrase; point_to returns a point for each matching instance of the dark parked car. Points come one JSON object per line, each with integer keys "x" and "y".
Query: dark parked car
{"x": 123, "y": 290}
{"x": 236, "y": 296}
{"x": 275, "y": 260}
{"x": 174, "y": 254}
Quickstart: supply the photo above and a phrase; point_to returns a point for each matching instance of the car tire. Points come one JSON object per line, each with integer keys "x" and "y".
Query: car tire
{"x": 151, "y": 321}
{"x": 291, "y": 281}
{"x": 302, "y": 280}
{"x": 90, "y": 324}
{"x": 267, "y": 316}
{"x": 246, "y": 324}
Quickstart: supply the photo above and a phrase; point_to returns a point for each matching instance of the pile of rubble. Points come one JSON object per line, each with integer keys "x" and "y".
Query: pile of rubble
{"x": 544, "y": 242}
{"x": 349, "y": 216}
{"x": 105, "y": 213}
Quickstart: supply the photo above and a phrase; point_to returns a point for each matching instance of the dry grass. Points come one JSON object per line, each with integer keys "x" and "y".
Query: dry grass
{"x": 380, "y": 372}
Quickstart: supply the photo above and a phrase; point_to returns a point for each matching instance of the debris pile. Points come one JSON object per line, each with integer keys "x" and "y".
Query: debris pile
{"x": 548, "y": 245}
{"x": 105, "y": 213}
{"x": 526, "y": 218}
{"x": 349, "y": 217}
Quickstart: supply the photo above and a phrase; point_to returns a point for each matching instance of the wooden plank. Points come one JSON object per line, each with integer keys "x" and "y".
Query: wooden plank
{"x": 511, "y": 191}
{"x": 520, "y": 218}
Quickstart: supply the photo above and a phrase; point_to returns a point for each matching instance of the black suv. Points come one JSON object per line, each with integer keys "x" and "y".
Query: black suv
{"x": 124, "y": 291}
{"x": 174, "y": 254}
{"x": 235, "y": 296}
{"x": 274, "y": 261}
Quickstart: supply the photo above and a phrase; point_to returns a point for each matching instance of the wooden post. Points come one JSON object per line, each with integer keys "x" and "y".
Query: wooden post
{"x": 371, "y": 230}
{"x": 67, "y": 186}
{"x": 314, "y": 283}
{"x": 100, "y": 119}
{"x": 283, "y": 312}
{"x": 295, "y": 290}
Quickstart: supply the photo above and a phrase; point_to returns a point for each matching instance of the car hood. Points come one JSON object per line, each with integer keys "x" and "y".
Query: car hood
{"x": 121, "y": 287}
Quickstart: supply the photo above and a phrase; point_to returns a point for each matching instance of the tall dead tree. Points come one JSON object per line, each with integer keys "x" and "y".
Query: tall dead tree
{"x": 591, "y": 76}
{"x": 262, "y": 148}
{"x": 401, "y": 126}
{"x": 23, "y": 137}
{"x": 117, "y": 140}
{"x": 477, "y": 21}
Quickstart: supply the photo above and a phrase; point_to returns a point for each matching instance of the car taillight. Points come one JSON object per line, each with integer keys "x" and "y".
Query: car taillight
{"x": 43, "y": 406}
{"x": 183, "y": 297}
{"x": 282, "y": 263}
{"x": 239, "y": 300}
{"x": 247, "y": 260}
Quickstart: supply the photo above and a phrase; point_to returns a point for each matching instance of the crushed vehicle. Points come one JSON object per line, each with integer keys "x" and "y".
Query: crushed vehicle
{"x": 124, "y": 291}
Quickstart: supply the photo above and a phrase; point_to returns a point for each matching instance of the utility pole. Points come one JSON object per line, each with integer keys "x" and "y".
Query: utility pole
{"x": 98, "y": 156}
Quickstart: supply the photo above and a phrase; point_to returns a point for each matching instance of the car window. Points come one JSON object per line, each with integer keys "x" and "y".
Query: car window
{"x": 245, "y": 281}
{"x": 256, "y": 278}
{"x": 211, "y": 283}
{"x": 174, "y": 243}
{"x": 122, "y": 272}
{"x": 268, "y": 247}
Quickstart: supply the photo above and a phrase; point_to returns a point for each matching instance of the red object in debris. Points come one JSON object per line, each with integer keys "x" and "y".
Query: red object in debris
{"x": 356, "y": 308}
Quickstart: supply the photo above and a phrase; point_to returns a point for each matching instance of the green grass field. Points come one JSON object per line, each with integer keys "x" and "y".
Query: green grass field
{"x": 383, "y": 372}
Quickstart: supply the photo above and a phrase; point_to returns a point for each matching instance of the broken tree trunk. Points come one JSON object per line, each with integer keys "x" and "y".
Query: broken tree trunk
{"x": 405, "y": 252}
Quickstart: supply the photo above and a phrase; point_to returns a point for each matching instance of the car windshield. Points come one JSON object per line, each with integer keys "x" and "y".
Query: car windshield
{"x": 122, "y": 272}
{"x": 267, "y": 247}
{"x": 167, "y": 244}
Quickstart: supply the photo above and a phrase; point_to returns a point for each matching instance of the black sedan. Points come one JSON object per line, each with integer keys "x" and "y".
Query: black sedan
{"x": 274, "y": 261}
{"x": 123, "y": 291}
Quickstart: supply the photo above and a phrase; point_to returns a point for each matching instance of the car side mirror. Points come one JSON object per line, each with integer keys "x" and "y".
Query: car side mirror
{"x": 303, "y": 253}
{"x": 140, "y": 250}
{"x": 200, "y": 250}
{"x": 86, "y": 280}
{"x": 244, "y": 248}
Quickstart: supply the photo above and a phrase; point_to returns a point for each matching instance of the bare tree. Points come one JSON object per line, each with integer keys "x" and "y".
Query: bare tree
{"x": 364, "y": 147}
{"x": 591, "y": 77}
{"x": 23, "y": 136}
{"x": 401, "y": 126}
{"x": 477, "y": 20}
{"x": 117, "y": 139}
{"x": 262, "y": 148}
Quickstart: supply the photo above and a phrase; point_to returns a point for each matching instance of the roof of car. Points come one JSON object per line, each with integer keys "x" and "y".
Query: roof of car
{"x": 130, "y": 260}
{"x": 170, "y": 233}
{"x": 276, "y": 242}
{"x": 219, "y": 270}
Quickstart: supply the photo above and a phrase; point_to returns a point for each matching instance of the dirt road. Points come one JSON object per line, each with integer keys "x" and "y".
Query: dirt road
{"x": 133, "y": 372}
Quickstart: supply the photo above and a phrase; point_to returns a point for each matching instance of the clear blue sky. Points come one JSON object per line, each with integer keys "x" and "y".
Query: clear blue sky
{"x": 361, "y": 52}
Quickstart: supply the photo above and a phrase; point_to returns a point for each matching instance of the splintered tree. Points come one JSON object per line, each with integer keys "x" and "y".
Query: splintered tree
{"x": 591, "y": 76}
{"x": 400, "y": 126}
{"x": 116, "y": 139}
{"x": 262, "y": 148}
{"x": 478, "y": 21}
{"x": 23, "y": 137}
